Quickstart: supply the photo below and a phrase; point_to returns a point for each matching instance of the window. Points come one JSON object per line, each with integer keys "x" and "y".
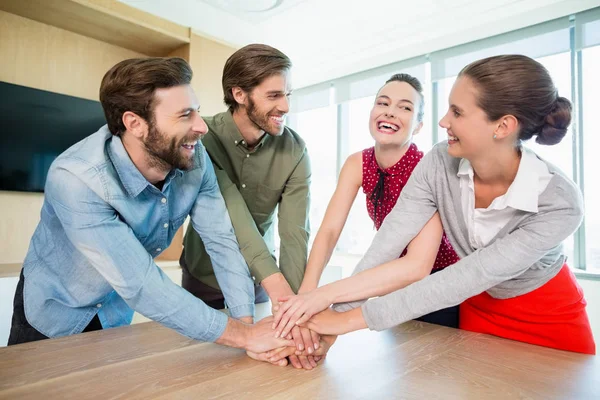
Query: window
{"x": 444, "y": 87}
{"x": 561, "y": 155}
{"x": 359, "y": 230}
{"x": 556, "y": 44}
{"x": 318, "y": 128}
{"x": 591, "y": 143}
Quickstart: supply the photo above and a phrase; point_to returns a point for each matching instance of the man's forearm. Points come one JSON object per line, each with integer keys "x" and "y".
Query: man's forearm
{"x": 235, "y": 335}
{"x": 276, "y": 286}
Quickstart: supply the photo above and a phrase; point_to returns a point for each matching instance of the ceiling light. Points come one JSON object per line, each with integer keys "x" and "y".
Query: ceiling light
{"x": 245, "y": 5}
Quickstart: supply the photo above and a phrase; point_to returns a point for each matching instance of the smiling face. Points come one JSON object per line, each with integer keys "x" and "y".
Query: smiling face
{"x": 175, "y": 128}
{"x": 393, "y": 119}
{"x": 268, "y": 103}
{"x": 470, "y": 132}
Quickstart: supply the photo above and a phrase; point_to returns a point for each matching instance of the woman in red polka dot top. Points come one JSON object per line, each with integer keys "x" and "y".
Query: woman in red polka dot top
{"x": 382, "y": 171}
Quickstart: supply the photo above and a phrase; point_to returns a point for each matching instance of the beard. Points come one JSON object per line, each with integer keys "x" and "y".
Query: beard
{"x": 166, "y": 153}
{"x": 261, "y": 120}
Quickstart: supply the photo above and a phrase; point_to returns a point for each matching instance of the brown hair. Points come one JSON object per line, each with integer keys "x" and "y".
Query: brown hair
{"x": 520, "y": 86}
{"x": 248, "y": 67}
{"x": 416, "y": 84}
{"x": 130, "y": 86}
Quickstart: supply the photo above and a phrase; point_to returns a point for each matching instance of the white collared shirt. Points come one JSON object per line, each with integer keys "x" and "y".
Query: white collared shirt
{"x": 484, "y": 224}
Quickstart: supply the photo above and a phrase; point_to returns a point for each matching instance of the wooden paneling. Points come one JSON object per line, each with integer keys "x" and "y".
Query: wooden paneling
{"x": 414, "y": 360}
{"x": 183, "y": 52}
{"x": 48, "y": 58}
{"x": 105, "y": 20}
{"x": 207, "y": 58}
{"x": 20, "y": 214}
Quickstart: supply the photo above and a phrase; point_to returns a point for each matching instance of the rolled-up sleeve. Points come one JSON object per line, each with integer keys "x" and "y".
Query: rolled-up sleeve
{"x": 294, "y": 224}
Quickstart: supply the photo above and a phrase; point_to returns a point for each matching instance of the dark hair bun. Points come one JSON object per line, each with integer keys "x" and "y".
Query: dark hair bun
{"x": 556, "y": 123}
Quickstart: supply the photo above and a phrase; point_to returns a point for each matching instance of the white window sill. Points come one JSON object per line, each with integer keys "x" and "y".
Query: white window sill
{"x": 593, "y": 275}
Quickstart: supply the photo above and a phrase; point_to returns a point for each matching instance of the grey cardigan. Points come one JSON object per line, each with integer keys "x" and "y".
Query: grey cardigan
{"x": 523, "y": 256}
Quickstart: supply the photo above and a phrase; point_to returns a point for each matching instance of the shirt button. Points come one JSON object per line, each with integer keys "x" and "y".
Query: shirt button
{"x": 247, "y": 155}
{"x": 243, "y": 185}
{"x": 235, "y": 141}
{"x": 98, "y": 305}
{"x": 159, "y": 249}
{"x": 165, "y": 225}
{"x": 163, "y": 200}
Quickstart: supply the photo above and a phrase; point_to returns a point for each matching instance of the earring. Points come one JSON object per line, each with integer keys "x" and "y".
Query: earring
{"x": 495, "y": 136}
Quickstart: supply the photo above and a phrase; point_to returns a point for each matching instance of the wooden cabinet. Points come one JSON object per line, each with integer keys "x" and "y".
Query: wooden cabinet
{"x": 66, "y": 46}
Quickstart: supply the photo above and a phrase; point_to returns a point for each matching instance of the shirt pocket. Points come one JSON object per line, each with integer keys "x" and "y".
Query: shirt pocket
{"x": 177, "y": 222}
{"x": 267, "y": 199}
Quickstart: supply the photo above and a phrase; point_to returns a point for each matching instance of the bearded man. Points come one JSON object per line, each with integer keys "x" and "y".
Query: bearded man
{"x": 114, "y": 201}
{"x": 261, "y": 166}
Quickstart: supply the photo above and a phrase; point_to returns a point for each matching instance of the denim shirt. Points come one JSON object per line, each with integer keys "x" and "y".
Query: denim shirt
{"x": 101, "y": 225}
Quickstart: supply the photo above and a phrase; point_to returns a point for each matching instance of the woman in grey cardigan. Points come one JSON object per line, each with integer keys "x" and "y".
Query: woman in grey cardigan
{"x": 506, "y": 213}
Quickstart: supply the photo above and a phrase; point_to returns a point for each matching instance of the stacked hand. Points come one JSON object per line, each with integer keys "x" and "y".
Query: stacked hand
{"x": 278, "y": 356}
{"x": 308, "y": 346}
{"x": 260, "y": 337}
{"x": 298, "y": 309}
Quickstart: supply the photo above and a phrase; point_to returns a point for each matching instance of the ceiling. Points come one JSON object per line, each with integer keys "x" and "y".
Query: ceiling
{"x": 254, "y": 11}
{"x": 331, "y": 38}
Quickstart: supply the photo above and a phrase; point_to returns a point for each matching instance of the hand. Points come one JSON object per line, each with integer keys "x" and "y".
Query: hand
{"x": 275, "y": 356}
{"x": 330, "y": 322}
{"x": 300, "y": 355}
{"x": 303, "y": 361}
{"x": 297, "y": 309}
{"x": 261, "y": 337}
{"x": 282, "y": 362}
{"x": 305, "y": 339}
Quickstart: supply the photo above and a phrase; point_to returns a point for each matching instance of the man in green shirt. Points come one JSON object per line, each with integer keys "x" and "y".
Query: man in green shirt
{"x": 261, "y": 165}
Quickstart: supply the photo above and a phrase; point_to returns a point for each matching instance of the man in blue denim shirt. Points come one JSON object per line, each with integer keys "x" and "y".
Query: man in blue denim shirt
{"x": 114, "y": 201}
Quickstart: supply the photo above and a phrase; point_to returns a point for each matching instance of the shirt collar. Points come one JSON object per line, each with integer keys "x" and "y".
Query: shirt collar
{"x": 131, "y": 178}
{"x": 523, "y": 192}
{"x": 464, "y": 168}
{"x": 235, "y": 134}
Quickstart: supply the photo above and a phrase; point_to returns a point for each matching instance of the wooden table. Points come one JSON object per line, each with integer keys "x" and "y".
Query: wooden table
{"x": 415, "y": 360}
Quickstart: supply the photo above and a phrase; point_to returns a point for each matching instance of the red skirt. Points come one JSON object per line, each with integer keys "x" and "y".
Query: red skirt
{"x": 552, "y": 316}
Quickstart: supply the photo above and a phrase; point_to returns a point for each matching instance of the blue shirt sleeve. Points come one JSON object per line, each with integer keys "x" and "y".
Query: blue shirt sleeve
{"x": 210, "y": 219}
{"x": 110, "y": 245}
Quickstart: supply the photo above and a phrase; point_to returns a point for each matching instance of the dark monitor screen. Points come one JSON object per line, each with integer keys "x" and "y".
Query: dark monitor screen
{"x": 35, "y": 127}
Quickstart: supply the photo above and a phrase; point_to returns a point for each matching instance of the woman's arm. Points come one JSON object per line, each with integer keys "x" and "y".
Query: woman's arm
{"x": 329, "y": 322}
{"x": 413, "y": 209}
{"x": 337, "y": 212}
{"x": 378, "y": 281}
{"x": 504, "y": 259}
{"x": 395, "y": 274}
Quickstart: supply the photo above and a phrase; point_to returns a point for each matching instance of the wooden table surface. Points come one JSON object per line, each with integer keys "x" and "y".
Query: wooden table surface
{"x": 415, "y": 360}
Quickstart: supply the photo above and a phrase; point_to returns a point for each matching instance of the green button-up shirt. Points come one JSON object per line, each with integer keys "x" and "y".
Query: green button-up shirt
{"x": 254, "y": 183}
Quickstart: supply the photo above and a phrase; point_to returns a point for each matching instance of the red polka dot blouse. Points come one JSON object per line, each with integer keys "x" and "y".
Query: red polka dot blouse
{"x": 382, "y": 188}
